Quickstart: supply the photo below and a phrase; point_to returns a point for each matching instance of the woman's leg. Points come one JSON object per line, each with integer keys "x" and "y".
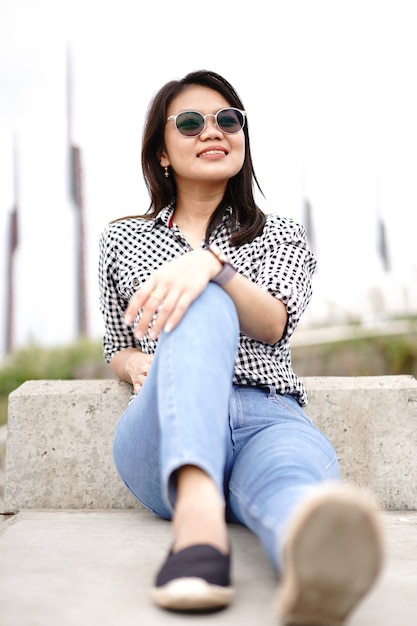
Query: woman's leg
{"x": 180, "y": 417}
{"x": 199, "y": 516}
{"x": 171, "y": 446}
{"x": 325, "y": 539}
{"x": 279, "y": 458}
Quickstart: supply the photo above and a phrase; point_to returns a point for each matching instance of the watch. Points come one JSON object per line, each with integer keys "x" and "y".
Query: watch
{"x": 228, "y": 270}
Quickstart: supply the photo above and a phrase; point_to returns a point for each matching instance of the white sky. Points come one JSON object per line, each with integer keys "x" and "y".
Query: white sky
{"x": 331, "y": 93}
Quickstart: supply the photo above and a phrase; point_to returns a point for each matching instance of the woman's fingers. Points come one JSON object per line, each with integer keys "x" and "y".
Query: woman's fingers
{"x": 157, "y": 315}
{"x": 162, "y": 301}
{"x": 167, "y": 315}
{"x": 137, "y": 384}
{"x": 142, "y": 309}
{"x": 144, "y": 295}
{"x": 178, "y": 312}
{"x": 171, "y": 314}
{"x": 139, "y": 371}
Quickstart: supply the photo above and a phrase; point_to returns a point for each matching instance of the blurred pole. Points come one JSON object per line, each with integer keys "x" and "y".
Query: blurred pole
{"x": 381, "y": 233}
{"x": 383, "y": 245}
{"x": 11, "y": 249}
{"x": 77, "y": 197}
{"x": 308, "y": 224}
{"x": 307, "y": 210}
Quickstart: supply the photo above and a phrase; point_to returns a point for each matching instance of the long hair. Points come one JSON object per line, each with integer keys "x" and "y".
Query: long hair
{"x": 247, "y": 220}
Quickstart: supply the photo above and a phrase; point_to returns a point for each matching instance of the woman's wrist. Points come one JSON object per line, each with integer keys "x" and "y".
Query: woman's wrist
{"x": 227, "y": 270}
{"x": 215, "y": 264}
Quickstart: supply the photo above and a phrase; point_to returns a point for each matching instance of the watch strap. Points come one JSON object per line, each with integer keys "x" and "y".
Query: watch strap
{"x": 228, "y": 270}
{"x": 226, "y": 273}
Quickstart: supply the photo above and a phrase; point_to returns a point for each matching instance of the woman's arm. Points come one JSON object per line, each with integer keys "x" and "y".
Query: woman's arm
{"x": 172, "y": 288}
{"x": 261, "y": 315}
{"x": 120, "y": 348}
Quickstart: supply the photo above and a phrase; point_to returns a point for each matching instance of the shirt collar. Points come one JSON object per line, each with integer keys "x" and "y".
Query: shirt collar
{"x": 165, "y": 215}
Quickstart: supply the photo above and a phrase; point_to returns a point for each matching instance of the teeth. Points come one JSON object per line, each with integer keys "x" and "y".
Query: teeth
{"x": 213, "y": 152}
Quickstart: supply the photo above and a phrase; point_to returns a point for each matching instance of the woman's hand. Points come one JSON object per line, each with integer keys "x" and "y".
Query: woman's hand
{"x": 137, "y": 369}
{"x": 163, "y": 299}
{"x": 132, "y": 365}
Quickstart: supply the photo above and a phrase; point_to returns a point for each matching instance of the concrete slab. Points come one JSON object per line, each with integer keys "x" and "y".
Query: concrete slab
{"x": 60, "y": 433}
{"x": 89, "y": 567}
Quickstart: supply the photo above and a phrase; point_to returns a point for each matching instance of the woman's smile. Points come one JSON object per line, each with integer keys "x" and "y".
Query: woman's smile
{"x": 212, "y": 153}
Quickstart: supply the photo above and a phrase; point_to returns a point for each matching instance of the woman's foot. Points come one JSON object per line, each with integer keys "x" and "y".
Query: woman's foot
{"x": 196, "y": 573}
{"x": 194, "y": 579}
{"x": 332, "y": 557}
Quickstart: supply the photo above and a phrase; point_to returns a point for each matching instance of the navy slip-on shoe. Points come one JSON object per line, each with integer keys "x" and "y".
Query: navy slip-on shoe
{"x": 194, "y": 579}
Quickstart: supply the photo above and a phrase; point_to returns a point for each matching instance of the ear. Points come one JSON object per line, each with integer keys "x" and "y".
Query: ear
{"x": 164, "y": 160}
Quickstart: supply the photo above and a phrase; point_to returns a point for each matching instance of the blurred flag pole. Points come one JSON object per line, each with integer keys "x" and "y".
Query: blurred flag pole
{"x": 383, "y": 245}
{"x": 11, "y": 249}
{"x": 308, "y": 224}
{"x": 382, "y": 240}
{"x": 77, "y": 197}
{"x": 307, "y": 211}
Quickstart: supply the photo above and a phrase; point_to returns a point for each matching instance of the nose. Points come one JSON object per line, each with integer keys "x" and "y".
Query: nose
{"x": 211, "y": 129}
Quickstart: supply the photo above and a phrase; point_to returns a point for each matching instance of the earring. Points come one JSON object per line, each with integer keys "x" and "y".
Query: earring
{"x": 166, "y": 171}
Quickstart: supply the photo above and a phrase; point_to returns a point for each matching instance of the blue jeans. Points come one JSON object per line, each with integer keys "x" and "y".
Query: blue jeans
{"x": 259, "y": 447}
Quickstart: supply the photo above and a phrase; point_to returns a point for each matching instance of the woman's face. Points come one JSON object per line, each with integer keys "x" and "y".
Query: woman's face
{"x": 212, "y": 157}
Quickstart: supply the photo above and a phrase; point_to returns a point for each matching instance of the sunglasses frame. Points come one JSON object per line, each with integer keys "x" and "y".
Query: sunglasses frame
{"x": 215, "y": 115}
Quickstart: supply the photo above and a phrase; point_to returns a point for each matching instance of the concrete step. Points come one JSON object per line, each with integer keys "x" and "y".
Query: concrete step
{"x": 79, "y": 550}
{"x": 59, "y": 440}
{"x": 94, "y": 568}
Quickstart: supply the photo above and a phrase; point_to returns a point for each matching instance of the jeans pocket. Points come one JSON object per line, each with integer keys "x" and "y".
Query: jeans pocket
{"x": 291, "y": 406}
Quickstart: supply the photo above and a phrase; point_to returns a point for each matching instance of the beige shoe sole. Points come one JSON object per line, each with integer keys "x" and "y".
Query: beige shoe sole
{"x": 332, "y": 557}
{"x": 192, "y": 594}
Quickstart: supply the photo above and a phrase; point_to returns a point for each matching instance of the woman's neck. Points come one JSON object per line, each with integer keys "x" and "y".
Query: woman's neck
{"x": 192, "y": 216}
{"x": 193, "y": 225}
{"x": 194, "y": 206}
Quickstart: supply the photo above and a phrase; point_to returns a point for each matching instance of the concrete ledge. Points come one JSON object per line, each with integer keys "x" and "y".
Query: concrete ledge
{"x": 59, "y": 445}
{"x": 372, "y": 422}
{"x": 59, "y": 440}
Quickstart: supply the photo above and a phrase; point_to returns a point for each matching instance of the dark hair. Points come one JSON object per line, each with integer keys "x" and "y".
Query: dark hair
{"x": 248, "y": 219}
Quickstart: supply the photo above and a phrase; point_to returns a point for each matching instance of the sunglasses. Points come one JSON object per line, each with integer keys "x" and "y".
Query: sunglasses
{"x": 192, "y": 123}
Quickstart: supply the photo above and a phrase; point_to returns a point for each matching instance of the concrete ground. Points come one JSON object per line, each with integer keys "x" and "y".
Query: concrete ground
{"x": 94, "y": 568}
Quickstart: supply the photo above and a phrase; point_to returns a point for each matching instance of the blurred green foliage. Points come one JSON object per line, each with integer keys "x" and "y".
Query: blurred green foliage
{"x": 375, "y": 356}
{"x": 371, "y": 356}
{"x": 83, "y": 359}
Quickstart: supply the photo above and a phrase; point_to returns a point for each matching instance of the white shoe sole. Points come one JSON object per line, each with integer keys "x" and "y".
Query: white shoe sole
{"x": 191, "y": 594}
{"x": 332, "y": 557}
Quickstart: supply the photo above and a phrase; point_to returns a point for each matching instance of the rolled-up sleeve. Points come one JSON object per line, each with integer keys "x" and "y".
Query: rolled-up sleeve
{"x": 287, "y": 268}
{"x": 117, "y": 335}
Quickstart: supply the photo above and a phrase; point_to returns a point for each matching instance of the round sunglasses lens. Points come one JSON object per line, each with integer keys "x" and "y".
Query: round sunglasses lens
{"x": 230, "y": 120}
{"x": 190, "y": 123}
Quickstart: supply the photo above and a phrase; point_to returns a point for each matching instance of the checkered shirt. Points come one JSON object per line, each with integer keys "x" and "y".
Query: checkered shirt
{"x": 278, "y": 260}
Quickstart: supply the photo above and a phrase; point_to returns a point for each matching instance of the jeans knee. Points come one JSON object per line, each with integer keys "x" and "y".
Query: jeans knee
{"x": 219, "y": 307}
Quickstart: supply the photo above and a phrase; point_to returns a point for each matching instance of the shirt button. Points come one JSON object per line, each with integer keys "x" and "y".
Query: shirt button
{"x": 135, "y": 282}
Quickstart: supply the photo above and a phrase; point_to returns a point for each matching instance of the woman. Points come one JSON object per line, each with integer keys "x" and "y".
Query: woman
{"x": 200, "y": 297}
